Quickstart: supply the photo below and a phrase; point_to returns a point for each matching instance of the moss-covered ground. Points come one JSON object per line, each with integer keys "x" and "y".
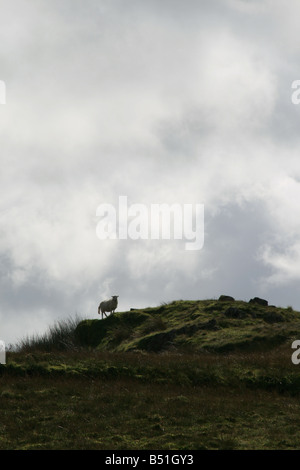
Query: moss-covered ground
{"x": 187, "y": 375}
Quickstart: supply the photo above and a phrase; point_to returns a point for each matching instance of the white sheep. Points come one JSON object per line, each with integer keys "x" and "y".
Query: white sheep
{"x": 108, "y": 305}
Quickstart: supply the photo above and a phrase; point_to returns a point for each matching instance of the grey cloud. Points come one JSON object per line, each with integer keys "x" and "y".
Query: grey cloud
{"x": 160, "y": 101}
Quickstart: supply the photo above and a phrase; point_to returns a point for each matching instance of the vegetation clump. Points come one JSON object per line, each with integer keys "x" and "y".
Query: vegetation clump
{"x": 209, "y": 325}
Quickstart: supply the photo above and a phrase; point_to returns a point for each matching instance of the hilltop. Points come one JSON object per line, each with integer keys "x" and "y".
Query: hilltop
{"x": 218, "y": 326}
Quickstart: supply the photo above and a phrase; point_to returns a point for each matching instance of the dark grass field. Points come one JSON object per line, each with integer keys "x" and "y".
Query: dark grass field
{"x": 73, "y": 413}
{"x": 62, "y": 394}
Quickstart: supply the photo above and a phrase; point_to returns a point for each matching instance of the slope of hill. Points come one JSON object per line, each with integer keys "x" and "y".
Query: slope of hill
{"x": 205, "y": 374}
{"x": 221, "y": 325}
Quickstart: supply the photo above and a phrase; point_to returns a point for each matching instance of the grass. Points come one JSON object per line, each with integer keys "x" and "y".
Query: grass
{"x": 147, "y": 401}
{"x": 81, "y": 414}
{"x": 59, "y": 337}
{"x": 222, "y": 379}
{"x": 207, "y": 325}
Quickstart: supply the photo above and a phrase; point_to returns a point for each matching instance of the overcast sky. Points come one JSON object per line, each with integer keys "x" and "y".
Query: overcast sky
{"x": 162, "y": 101}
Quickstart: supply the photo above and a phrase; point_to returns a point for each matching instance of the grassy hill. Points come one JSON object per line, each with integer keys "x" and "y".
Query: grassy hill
{"x": 207, "y": 374}
{"x": 206, "y": 325}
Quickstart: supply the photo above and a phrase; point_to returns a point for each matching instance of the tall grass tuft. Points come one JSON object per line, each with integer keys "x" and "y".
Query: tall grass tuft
{"x": 59, "y": 337}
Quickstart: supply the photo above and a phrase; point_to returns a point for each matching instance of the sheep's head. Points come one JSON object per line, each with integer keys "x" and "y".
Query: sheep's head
{"x": 115, "y": 297}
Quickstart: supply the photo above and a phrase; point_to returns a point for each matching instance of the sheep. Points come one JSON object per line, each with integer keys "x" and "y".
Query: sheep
{"x": 108, "y": 305}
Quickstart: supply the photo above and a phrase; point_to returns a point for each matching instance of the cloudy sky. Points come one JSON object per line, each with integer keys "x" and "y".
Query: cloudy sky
{"x": 163, "y": 102}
